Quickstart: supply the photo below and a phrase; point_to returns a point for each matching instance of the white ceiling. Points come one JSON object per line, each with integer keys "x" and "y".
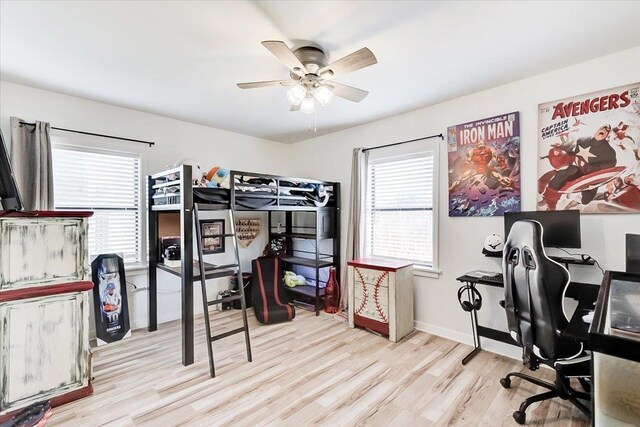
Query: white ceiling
{"x": 183, "y": 59}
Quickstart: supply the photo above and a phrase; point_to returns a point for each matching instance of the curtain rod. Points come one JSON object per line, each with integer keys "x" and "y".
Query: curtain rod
{"x": 404, "y": 142}
{"x": 151, "y": 144}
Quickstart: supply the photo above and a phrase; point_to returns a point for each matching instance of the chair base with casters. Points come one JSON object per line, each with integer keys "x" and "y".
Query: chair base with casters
{"x": 560, "y": 388}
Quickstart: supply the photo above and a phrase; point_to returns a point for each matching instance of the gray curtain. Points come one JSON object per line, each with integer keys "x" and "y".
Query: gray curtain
{"x": 32, "y": 164}
{"x": 356, "y": 224}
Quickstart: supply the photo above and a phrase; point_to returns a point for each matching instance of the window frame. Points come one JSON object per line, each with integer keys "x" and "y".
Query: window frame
{"x": 428, "y": 147}
{"x": 88, "y": 146}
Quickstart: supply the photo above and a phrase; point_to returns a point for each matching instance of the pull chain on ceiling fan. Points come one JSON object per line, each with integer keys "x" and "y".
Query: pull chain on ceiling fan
{"x": 311, "y": 77}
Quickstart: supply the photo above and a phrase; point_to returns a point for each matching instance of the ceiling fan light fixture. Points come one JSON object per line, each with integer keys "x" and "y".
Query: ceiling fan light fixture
{"x": 308, "y": 105}
{"x": 296, "y": 94}
{"x": 324, "y": 95}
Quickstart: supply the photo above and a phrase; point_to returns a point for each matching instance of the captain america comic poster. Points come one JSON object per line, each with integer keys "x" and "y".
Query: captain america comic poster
{"x": 589, "y": 152}
{"x": 484, "y": 166}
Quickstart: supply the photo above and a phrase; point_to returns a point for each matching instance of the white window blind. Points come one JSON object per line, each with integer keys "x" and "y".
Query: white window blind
{"x": 400, "y": 208}
{"x": 108, "y": 183}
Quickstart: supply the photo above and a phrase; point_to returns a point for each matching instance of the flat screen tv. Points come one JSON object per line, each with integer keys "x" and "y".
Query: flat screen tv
{"x": 9, "y": 195}
{"x": 561, "y": 228}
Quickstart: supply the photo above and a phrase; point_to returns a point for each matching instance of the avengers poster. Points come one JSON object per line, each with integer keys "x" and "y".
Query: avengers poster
{"x": 110, "y": 299}
{"x": 588, "y": 152}
{"x": 484, "y": 166}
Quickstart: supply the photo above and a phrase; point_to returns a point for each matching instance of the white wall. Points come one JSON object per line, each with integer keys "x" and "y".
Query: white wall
{"x": 460, "y": 239}
{"x": 329, "y": 158}
{"x": 174, "y": 140}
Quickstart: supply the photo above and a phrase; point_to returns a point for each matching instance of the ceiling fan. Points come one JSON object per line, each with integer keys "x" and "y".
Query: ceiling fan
{"x": 312, "y": 77}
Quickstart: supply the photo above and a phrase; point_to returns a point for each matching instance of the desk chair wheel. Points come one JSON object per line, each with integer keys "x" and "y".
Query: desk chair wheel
{"x": 519, "y": 416}
{"x": 506, "y": 383}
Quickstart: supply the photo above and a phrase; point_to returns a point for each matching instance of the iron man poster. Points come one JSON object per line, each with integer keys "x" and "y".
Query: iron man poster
{"x": 484, "y": 166}
{"x": 589, "y": 156}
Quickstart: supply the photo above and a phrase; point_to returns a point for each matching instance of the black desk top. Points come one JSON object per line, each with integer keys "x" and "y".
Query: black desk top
{"x": 477, "y": 280}
{"x": 576, "y": 290}
{"x": 577, "y": 328}
{"x": 584, "y": 293}
{"x": 574, "y": 260}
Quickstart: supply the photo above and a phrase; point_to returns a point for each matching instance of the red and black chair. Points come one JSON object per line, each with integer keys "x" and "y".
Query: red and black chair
{"x": 268, "y": 293}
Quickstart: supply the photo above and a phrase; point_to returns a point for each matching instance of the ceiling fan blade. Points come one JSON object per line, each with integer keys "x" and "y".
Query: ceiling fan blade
{"x": 347, "y": 92}
{"x": 253, "y": 85}
{"x": 352, "y": 62}
{"x": 284, "y": 54}
{"x": 295, "y": 108}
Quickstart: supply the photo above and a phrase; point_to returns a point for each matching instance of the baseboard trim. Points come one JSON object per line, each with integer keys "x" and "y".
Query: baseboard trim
{"x": 503, "y": 349}
{"x": 449, "y": 334}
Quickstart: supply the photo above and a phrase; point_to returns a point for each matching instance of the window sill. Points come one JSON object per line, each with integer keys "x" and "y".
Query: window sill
{"x": 135, "y": 269}
{"x": 430, "y": 272}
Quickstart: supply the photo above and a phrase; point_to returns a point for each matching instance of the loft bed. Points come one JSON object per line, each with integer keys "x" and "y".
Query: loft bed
{"x": 247, "y": 191}
{"x": 286, "y": 198}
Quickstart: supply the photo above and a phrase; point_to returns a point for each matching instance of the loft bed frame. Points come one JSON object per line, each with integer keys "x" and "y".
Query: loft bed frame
{"x": 174, "y": 191}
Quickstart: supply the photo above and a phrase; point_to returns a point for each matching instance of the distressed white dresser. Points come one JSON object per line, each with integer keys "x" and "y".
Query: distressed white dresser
{"x": 44, "y": 312}
{"x": 381, "y": 296}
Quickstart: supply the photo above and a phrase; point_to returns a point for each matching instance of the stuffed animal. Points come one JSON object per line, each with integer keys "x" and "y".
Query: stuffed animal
{"x": 196, "y": 171}
{"x": 275, "y": 248}
{"x": 292, "y": 279}
{"x": 218, "y": 177}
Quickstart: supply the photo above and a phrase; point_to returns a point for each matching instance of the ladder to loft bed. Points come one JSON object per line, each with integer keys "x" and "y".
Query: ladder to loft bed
{"x": 203, "y": 283}
{"x": 180, "y": 201}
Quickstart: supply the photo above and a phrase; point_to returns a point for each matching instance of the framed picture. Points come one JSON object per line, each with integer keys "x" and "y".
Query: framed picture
{"x": 111, "y": 307}
{"x": 211, "y": 231}
{"x": 484, "y": 166}
{"x": 589, "y": 152}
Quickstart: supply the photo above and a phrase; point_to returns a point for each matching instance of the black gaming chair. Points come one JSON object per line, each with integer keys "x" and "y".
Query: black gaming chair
{"x": 268, "y": 295}
{"x": 534, "y": 288}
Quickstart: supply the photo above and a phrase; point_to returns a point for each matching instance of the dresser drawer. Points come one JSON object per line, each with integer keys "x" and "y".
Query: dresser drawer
{"x": 371, "y": 277}
{"x": 371, "y": 303}
{"x": 41, "y": 251}
{"x": 368, "y": 292}
{"x": 45, "y": 345}
{"x": 370, "y": 310}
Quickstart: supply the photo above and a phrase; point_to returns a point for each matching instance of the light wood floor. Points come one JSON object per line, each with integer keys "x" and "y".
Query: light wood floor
{"x": 312, "y": 371}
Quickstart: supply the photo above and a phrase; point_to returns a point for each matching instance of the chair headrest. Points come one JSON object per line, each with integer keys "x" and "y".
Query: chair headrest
{"x": 525, "y": 232}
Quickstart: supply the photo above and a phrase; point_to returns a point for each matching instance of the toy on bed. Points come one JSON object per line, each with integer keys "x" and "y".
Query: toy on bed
{"x": 292, "y": 279}
{"x": 196, "y": 171}
{"x": 217, "y": 177}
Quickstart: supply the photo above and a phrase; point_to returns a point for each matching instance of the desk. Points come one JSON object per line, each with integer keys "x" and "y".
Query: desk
{"x": 584, "y": 293}
{"x": 577, "y": 328}
{"x": 614, "y": 337}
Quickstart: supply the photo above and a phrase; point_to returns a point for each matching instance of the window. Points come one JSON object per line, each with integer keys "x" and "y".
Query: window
{"x": 400, "y": 208}
{"x": 107, "y": 183}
